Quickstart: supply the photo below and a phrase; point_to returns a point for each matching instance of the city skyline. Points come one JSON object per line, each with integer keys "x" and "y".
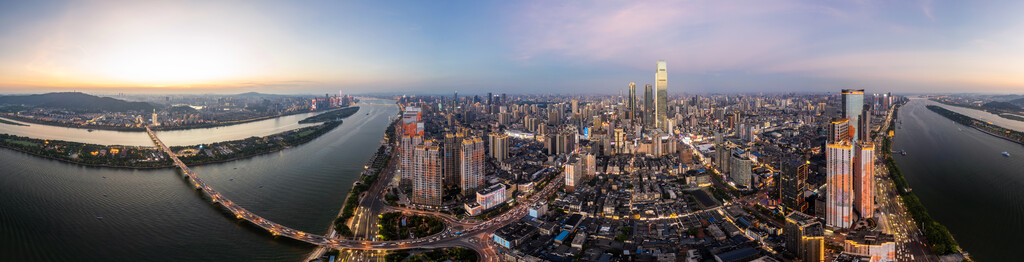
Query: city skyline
{"x": 357, "y": 48}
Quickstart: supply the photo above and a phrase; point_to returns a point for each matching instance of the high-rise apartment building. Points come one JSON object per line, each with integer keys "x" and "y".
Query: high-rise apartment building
{"x": 863, "y": 177}
{"x": 853, "y": 103}
{"x": 452, "y": 158}
{"x": 472, "y": 165}
{"x": 740, "y": 168}
{"x": 573, "y": 174}
{"x": 661, "y": 103}
{"x": 839, "y": 180}
{"x": 498, "y": 145}
{"x": 427, "y": 176}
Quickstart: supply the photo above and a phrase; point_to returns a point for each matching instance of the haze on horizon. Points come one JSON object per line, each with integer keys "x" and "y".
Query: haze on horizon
{"x": 509, "y": 47}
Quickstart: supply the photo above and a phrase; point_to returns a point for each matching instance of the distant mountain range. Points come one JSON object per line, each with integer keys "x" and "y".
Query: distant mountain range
{"x": 76, "y": 101}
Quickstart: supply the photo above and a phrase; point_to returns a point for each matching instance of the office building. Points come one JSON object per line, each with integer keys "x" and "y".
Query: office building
{"x": 632, "y": 103}
{"x": 491, "y": 197}
{"x": 648, "y": 107}
{"x": 661, "y": 102}
{"x": 471, "y": 165}
{"x": 793, "y": 184}
{"x": 853, "y": 103}
{"x": 839, "y": 181}
{"x": 427, "y": 175}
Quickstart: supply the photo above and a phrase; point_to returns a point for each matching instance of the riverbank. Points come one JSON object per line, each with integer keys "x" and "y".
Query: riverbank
{"x": 139, "y": 157}
{"x": 941, "y": 241}
{"x": 984, "y": 127}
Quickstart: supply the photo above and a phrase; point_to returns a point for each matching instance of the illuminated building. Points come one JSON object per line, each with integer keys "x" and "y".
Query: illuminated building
{"x": 427, "y": 176}
{"x": 839, "y": 130}
{"x": 878, "y": 246}
{"x": 863, "y": 174}
{"x": 805, "y": 237}
{"x": 573, "y": 174}
{"x": 839, "y": 181}
{"x": 491, "y": 197}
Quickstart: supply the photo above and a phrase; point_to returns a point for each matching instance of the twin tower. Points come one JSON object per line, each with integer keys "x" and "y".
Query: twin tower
{"x": 850, "y": 157}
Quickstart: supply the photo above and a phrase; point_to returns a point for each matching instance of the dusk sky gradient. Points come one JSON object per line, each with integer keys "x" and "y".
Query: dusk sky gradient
{"x": 541, "y": 47}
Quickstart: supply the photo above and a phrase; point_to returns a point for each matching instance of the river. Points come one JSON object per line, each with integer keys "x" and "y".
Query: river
{"x": 964, "y": 181}
{"x": 49, "y": 210}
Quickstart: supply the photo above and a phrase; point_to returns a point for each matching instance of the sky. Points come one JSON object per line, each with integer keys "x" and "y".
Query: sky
{"x": 516, "y": 47}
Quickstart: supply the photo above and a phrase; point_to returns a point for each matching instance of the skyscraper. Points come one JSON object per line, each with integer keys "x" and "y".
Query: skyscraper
{"x": 839, "y": 181}
{"x": 632, "y": 102}
{"x": 648, "y": 107}
{"x": 661, "y": 102}
{"x": 793, "y": 184}
{"x": 452, "y": 158}
{"x": 472, "y": 165}
{"x": 853, "y": 103}
{"x": 864, "y": 125}
{"x": 426, "y": 187}
{"x": 863, "y": 177}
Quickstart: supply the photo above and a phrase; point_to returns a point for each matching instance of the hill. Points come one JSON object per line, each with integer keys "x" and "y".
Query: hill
{"x": 1001, "y": 106}
{"x": 1018, "y": 101}
{"x": 76, "y": 101}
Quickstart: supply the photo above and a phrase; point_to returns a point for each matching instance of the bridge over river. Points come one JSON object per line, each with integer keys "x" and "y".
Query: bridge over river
{"x": 473, "y": 235}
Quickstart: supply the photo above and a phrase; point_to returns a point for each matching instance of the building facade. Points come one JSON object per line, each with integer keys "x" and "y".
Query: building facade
{"x": 863, "y": 179}
{"x": 472, "y": 165}
{"x": 661, "y": 103}
{"x": 839, "y": 180}
{"x": 427, "y": 176}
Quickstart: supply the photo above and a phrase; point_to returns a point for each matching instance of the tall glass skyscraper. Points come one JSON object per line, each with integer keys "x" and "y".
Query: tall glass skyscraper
{"x": 661, "y": 102}
{"x": 632, "y": 102}
{"x": 648, "y": 107}
{"x": 853, "y": 106}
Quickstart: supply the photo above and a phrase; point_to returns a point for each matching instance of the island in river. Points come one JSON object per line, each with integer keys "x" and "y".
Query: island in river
{"x": 331, "y": 115}
{"x": 150, "y": 157}
{"x": 986, "y": 127}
